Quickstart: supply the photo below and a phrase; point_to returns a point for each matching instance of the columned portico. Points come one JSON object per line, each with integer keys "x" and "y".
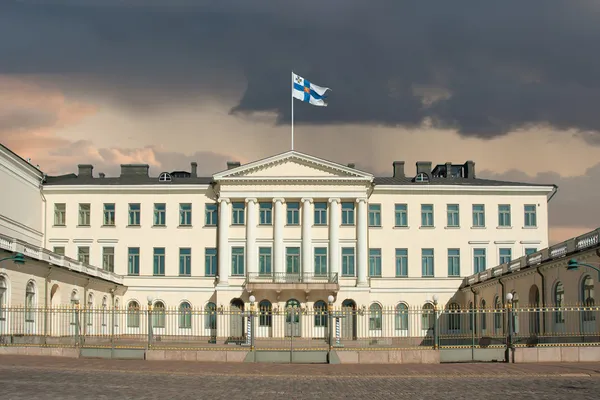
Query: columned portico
{"x": 307, "y": 222}
{"x": 251, "y": 224}
{"x": 361, "y": 242}
{"x": 278, "y": 224}
{"x": 223, "y": 241}
{"x": 334, "y": 236}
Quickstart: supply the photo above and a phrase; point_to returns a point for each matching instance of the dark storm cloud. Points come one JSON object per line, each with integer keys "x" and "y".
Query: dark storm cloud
{"x": 502, "y": 65}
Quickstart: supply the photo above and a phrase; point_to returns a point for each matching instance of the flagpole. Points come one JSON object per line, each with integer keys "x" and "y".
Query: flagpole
{"x": 292, "y": 95}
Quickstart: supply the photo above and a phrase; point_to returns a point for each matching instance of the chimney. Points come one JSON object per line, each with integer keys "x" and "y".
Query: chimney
{"x": 448, "y": 169}
{"x": 351, "y": 165}
{"x": 470, "y": 169}
{"x": 398, "y": 169}
{"x": 194, "y": 169}
{"x": 233, "y": 164}
{"x": 134, "y": 170}
{"x": 85, "y": 170}
{"x": 101, "y": 175}
{"x": 424, "y": 167}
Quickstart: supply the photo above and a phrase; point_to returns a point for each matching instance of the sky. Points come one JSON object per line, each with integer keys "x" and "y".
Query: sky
{"x": 511, "y": 85}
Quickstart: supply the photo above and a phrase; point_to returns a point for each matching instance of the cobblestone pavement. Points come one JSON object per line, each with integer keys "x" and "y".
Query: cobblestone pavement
{"x": 27, "y": 377}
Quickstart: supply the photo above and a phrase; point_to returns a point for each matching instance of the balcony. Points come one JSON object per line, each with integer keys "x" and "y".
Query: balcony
{"x": 285, "y": 281}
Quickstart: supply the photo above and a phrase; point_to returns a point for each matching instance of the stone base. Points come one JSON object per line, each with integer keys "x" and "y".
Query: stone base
{"x": 557, "y": 354}
{"x": 387, "y": 356}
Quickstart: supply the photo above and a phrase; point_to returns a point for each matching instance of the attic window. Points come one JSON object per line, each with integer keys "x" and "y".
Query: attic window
{"x": 164, "y": 177}
{"x": 422, "y": 177}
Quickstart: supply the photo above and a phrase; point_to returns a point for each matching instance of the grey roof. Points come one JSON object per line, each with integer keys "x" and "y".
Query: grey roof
{"x": 409, "y": 180}
{"x": 74, "y": 180}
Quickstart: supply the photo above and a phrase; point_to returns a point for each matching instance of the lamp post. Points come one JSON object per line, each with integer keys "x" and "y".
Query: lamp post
{"x": 250, "y": 324}
{"x": 573, "y": 265}
{"x": 330, "y": 299}
{"x": 150, "y": 300}
{"x": 18, "y": 258}
{"x": 509, "y": 345}
{"x": 436, "y": 339}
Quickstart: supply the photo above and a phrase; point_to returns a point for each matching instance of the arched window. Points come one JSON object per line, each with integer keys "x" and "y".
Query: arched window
{"x": 483, "y": 315}
{"x": 210, "y": 321}
{"x": 401, "y": 320}
{"x": 471, "y": 316}
{"x": 104, "y": 306}
{"x": 498, "y": 314}
{"x": 454, "y": 317}
{"x": 427, "y": 317}
{"x": 320, "y": 313}
{"x": 375, "y": 317}
{"x": 559, "y": 299}
{"x": 30, "y": 302}
{"x": 587, "y": 297}
{"x": 164, "y": 177}
{"x": 90, "y": 309}
{"x": 133, "y": 315}
{"x": 265, "y": 308}
{"x": 422, "y": 177}
{"x": 185, "y": 315}
{"x": 158, "y": 315}
{"x": 3, "y": 297}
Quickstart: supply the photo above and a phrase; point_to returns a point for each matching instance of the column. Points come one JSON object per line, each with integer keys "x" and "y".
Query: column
{"x": 223, "y": 242}
{"x": 334, "y": 236}
{"x": 278, "y": 224}
{"x": 251, "y": 224}
{"x": 307, "y": 221}
{"x": 361, "y": 242}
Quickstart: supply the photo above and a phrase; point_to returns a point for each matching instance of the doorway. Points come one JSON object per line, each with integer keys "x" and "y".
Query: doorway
{"x": 349, "y": 320}
{"x": 292, "y": 318}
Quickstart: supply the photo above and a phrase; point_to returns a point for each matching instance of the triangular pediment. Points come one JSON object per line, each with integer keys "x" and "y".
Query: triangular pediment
{"x": 293, "y": 166}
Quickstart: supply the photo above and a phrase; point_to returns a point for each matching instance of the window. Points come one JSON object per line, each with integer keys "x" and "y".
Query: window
{"x": 320, "y": 261}
{"x": 401, "y": 215}
{"x": 454, "y": 317}
{"x": 237, "y": 213}
{"x": 427, "y": 317}
{"x": 375, "y": 317}
{"x": 402, "y": 263}
{"x": 347, "y": 213}
{"x": 30, "y": 302}
{"x": 293, "y": 213}
{"x": 185, "y": 214}
{"x": 530, "y": 250}
{"x": 421, "y": 177}
{"x": 264, "y": 261}
{"x": 427, "y": 267}
{"x": 158, "y": 315}
{"x": 83, "y": 254}
{"x": 133, "y": 261}
{"x": 2, "y": 298}
{"x": 478, "y": 215}
{"x": 185, "y": 261}
{"x": 211, "y": 214}
{"x": 210, "y": 261}
{"x": 265, "y": 310}
{"x": 185, "y": 315}
{"x": 452, "y": 210}
{"x": 320, "y": 213}
{"x": 479, "y": 260}
{"x": 159, "y": 261}
{"x": 348, "y": 261}
{"x": 374, "y": 214}
{"x": 375, "y": 262}
{"x": 498, "y": 315}
{"x": 109, "y": 214}
{"x": 134, "y": 214}
{"x": 60, "y": 250}
{"x": 504, "y": 215}
{"x": 559, "y": 300}
{"x": 160, "y": 214}
{"x": 108, "y": 259}
{"x": 321, "y": 312}
{"x": 84, "y": 214}
{"x": 505, "y": 256}
{"x": 60, "y": 214}
{"x": 453, "y": 262}
{"x": 265, "y": 213}
{"x": 530, "y": 215}
{"x": 210, "y": 321}
{"x": 483, "y": 316}
{"x": 587, "y": 295}
{"x": 401, "y": 317}
{"x": 237, "y": 261}
{"x": 133, "y": 315}
{"x": 292, "y": 260}
{"x": 164, "y": 177}
{"x": 427, "y": 215}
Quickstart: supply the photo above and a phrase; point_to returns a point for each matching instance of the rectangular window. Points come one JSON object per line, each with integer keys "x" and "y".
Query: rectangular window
{"x": 133, "y": 261}
{"x": 427, "y": 215}
{"x": 347, "y": 213}
{"x": 348, "y": 261}
{"x": 453, "y": 215}
{"x": 185, "y": 261}
{"x": 264, "y": 261}
{"x": 530, "y": 215}
{"x": 211, "y": 214}
{"x": 401, "y": 215}
{"x": 375, "y": 262}
{"x": 479, "y": 260}
{"x": 84, "y": 214}
{"x": 185, "y": 214}
{"x": 292, "y": 260}
{"x": 59, "y": 250}
{"x": 60, "y": 214}
{"x": 108, "y": 259}
{"x": 374, "y": 214}
{"x": 453, "y": 262}
{"x": 83, "y": 254}
{"x": 505, "y": 256}
{"x": 321, "y": 213}
{"x": 134, "y": 214}
{"x": 237, "y": 260}
{"x": 401, "y": 263}
{"x": 265, "y": 213}
{"x": 237, "y": 213}
{"x": 293, "y": 213}
{"x": 210, "y": 262}
{"x": 320, "y": 261}
{"x": 159, "y": 261}
{"x": 478, "y": 215}
{"x": 504, "y": 215}
{"x": 427, "y": 266}
{"x": 528, "y": 251}
{"x": 109, "y": 214}
{"x": 160, "y": 214}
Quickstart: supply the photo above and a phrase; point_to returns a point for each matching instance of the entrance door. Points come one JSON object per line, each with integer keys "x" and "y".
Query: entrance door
{"x": 292, "y": 318}
{"x": 236, "y": 320}
{"x": 349, "y": 321}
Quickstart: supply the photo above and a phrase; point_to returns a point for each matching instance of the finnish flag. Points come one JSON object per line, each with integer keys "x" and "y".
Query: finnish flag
{"x": 309, "y": 92}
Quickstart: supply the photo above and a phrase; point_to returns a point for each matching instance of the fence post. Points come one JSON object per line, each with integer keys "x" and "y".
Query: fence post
{"x": 435, "y": 323}
{"x": 509, "y": 313}
{"x": 249, "y": 324}
{"x": 149, "y": 321}
{"x": 76, "y": 323}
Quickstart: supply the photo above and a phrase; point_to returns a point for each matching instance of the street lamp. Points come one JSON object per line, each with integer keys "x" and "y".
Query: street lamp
{"x": 509, "y": 345}
{"x": 18, "y": 258}
{"x": 573, "y": 265}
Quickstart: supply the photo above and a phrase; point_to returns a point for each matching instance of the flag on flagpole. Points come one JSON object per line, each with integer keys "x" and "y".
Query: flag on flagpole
{"x": 308, "y": 92}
